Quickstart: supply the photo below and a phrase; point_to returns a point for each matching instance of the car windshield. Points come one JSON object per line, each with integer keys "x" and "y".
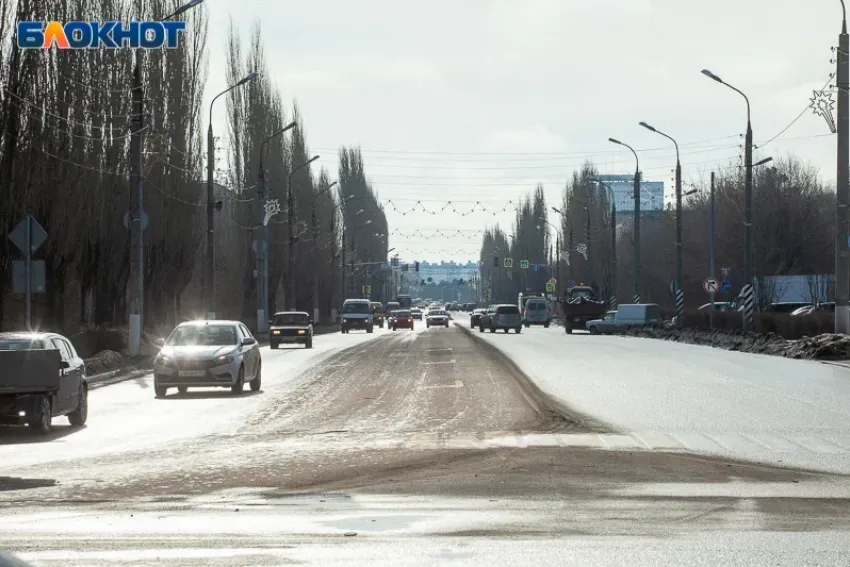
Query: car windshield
{"x": 203, "y": 335}
{"x": 401, "y": 313}
{"x": 377, "y": 308}
{"x": 291, "y": 319}
{"x": 21, "y": 344}
{"x": 356, "y": 307}
{"x": 437, "y": 313}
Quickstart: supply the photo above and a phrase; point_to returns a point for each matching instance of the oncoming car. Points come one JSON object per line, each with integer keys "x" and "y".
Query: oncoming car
{"x": 437, "y": 317}
{"x": 293, "y": 327}
{"x": 356, "y": 314}
{"x": 208, "y": 354}
{"x": 402, "y": 319}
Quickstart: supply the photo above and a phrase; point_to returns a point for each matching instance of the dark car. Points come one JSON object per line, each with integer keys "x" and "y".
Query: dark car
{"x": 295, "y": 327}
{"x": 505, "y": 316}
{"x": 402, "y": 319}
{"x": 378, "y": 313}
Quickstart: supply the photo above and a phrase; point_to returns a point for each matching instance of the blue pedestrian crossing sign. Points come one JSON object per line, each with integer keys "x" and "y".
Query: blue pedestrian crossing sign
{"x": 571, "y": 283}
{"x": 726, "y": 286}
{"x": 523, "y": 264}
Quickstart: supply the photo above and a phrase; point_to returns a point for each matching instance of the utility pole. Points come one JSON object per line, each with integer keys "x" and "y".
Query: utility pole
{"x": 587, "y": 239}
{"x": 637, "y": 217}
{"x": 315, "y": 224}
{"x": 613, "y": 250}
{"x": 342, "y": 252}
{"x": 261, "y": 251}
{"x": 557, "y": 263}
{"x": 290, "y": 214}
{"x": 137, "y": 250}
{"x": 711, "y": 252}
{"x": 842, "y": 234}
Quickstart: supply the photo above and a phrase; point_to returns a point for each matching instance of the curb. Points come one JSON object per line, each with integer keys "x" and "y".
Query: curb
{"x": 115, "y": 376}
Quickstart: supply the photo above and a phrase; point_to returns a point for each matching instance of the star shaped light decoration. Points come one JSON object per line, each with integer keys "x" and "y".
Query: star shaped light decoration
{"x": 822, "y": 105}
{"x": 272, "y": 208}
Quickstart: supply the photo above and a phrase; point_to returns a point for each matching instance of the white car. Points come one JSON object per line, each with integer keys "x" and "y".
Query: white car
{"x": 437, "y": 317}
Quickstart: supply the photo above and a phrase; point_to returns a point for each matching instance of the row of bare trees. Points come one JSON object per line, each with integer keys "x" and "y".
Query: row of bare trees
{"x": 65, "y": 120}
{"x": 794, "y": 234}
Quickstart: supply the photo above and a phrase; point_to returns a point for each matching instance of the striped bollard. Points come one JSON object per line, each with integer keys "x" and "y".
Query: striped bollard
{"x": 637, "y": 298}
{"x": 749, "y": 306}
{"x": 612, "y": 303}
{"x": 680, "y": 305}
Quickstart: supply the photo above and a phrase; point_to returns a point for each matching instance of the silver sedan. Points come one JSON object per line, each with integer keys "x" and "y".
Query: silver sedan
{"x": 208, "y": 354}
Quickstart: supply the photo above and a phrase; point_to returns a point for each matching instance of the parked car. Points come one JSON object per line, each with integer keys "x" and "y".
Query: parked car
{"x": 356, "y": 314}
{"x": 402, "y": 319}
{"x": 625, "y": 318}
{"x": 294, "y": 327}
{"x": 536, "y": 312}
{"x": 475, "y": 317}
{"x": 208, "y": 354}
{"x": 41, "y": 377}
{"x": 437, "y": 317}
{"x": 505, "y": 316}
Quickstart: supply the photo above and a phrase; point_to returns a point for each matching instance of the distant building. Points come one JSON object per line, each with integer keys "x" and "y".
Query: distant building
{"x": 652, "y": 193}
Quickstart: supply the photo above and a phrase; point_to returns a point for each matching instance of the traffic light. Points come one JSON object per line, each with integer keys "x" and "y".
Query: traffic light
{"x": 495, "y": 261}
{"x": 416, "y": 264}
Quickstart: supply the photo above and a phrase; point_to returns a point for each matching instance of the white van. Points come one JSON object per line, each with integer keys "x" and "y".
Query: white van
{"x": 625, "y": 317}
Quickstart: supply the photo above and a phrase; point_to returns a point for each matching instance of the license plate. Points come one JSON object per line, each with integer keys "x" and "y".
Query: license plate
{"x": 193, "y": 373}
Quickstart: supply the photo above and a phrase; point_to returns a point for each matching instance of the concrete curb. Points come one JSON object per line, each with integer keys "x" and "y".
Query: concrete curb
{"x": 115, "y": 376}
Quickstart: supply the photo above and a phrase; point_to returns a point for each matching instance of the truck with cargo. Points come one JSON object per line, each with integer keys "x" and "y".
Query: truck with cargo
{"x": 41, "y": 377}
{"x": 580, "y": 306}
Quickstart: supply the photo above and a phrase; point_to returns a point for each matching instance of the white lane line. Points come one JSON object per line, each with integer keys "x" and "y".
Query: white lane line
{"x": 452, "y": 361}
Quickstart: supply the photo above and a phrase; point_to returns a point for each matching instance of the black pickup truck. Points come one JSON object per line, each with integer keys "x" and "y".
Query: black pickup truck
{"x": 41, "y": 377}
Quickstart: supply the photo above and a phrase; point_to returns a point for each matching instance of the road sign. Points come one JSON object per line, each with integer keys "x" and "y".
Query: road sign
{"x": 553, "y": 281}
{"x": 571, "y": 283}
{"x": 725, "y": 272}
{"x": 550, "y": 287}
{"x": 710, "y": 285}
{"x": 144, "y": 220}
{"x": 726, "y": 286}
{"x": 36, "y": 238}
{"x": 536, "y": 267}
{"x": 509, "y": 262}
{"x": 37, "y": 276}
{"x": 523, "y": 264}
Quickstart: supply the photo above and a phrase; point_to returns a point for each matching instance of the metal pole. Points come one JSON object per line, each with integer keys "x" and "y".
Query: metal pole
{"x": 842, "y": 252}
{"x": 315, "y": 271}
{"x": 209, "y": 287}
{"x": 290, "y": 270}
{"x": 137, "y": 280}
{"x": 680, "y": 306}
{"x": 589, "y": 257}
{"x": 637, "y": 236}
{"x": 711, "y": 252}
{"x": 557, "y": 263}
{"x": 259, "y": 252}
{"x": 613, "y": 247}
{"x": 748, "y": 214}
{"x": 342, "y": 252}
{"x": 28, "y": 272}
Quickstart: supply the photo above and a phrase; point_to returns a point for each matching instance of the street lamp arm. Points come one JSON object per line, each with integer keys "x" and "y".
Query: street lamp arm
{"x": 184, "y": 8}
{"x": 322, "y": 192}
{"x": 273, "y": 136}
{"x": 843, "y": 17}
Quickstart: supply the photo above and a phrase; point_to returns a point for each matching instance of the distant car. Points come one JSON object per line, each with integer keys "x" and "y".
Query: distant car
{"x": 356, "y": 314}
{"x": 402, "y": 319}
{"x": 208, "y": 354}
{"x": 475, "y": 317}
{"x": 437, "y": 318}
{"x": 291, "y": 327}
{"x": 389, "y": 308}
{"x": 377, "y": 313}
{"x": 417, "y": 313}
{"x": 505, "y": 316}
{"x": 536, "y": 312}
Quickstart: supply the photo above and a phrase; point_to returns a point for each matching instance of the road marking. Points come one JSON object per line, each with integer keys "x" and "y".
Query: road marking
{"x": 457, "y": 384}
{"x": 433, "y": 350}
{"x": 816, "y": 444}
{"x": 452, "y": 361}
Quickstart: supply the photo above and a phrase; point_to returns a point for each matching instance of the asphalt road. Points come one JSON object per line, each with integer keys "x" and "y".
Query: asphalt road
{"x": 416, "y": 448}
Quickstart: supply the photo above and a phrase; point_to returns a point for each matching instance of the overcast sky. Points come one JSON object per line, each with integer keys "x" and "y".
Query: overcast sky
{"x": 479, "y": 100}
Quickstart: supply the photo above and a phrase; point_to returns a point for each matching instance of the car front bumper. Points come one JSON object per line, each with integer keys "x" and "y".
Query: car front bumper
{"x": 216, "y": 376}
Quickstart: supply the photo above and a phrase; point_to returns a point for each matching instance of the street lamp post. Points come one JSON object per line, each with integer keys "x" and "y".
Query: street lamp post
{"x": 136, "y": 281}
{"x": 842, "y": 233}
{"x": 748, "y": 194}
{"x": 637, "y": 217}
{"x": 209, "y": 286}
{"x": 290, "y": 214}
{"x": 612, "y": 301}
{"x": 315, "y": 225}
{"x": 261, "y": 250}
{"x": 680, "y": 297}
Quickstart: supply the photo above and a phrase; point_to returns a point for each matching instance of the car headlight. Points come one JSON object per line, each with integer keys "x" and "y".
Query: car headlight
{"x": 162, "y": 360}
{"x": 275, "y": 332}
{"x": 302, "y": 332}
{"x": 226, "y": 358}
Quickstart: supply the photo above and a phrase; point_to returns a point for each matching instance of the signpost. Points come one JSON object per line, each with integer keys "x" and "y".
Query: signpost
{"x": 523, "y": 264}
{"x": 509, "y": 262}
{"x": 571, "y": 283}
{"x": 710, "y": 285}
{"x": 726, "y": 286}
{"x": 28, "y": 236}
{"x": 550, "y": 285}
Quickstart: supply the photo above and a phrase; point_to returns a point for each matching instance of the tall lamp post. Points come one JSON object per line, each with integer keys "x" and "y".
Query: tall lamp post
{"x": 680, "y": 292}
{"x": 315, "y": 225}
{"x": 290, "y": 214}
{"x": 211, "y": 205}
{"x": 637, "y": 217}
{"x": 748, "y": 193}
{"x": 136, "y": 282}
{"x": 842, "y": 234}
{"x": 262, "y": 242}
